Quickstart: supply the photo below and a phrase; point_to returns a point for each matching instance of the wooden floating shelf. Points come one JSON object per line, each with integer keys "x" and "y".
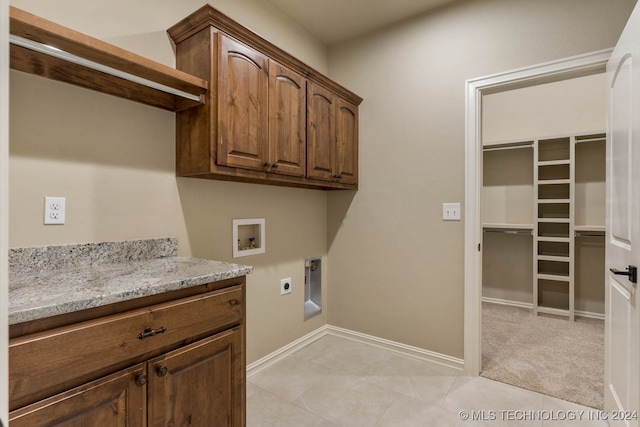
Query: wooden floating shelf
{"x": 63, "y": 54}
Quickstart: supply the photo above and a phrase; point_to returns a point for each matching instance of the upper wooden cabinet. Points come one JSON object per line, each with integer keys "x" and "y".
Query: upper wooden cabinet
{"x": 346, "y": 162}
{"x": 287, "y": 121}
{"x": 242, "y": 106}
{"x": 332, "y": 135}
{"x": 268, "y": 118}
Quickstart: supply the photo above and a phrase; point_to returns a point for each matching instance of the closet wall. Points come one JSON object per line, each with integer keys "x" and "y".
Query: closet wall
{"x": 571, "y": 107}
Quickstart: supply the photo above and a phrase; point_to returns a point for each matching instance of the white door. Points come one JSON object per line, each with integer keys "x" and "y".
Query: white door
{"x": 622, "y": 298}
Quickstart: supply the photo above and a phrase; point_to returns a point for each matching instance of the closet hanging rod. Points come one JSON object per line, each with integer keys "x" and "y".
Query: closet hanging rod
{"x": 524, "y": 232}
{"x": 578, "y": 141}
{"x": 508, "y": 147}
{"x": 75, "y": 59}
{"x": 589, "y": 234}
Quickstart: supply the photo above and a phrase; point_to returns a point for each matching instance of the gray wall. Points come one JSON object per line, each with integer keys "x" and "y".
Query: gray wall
{"x": 396, "y": 267}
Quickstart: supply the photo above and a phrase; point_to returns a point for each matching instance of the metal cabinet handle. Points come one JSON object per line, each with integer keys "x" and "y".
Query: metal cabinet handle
{"x": 161, "y": 371}
{"x": 148, "y": 332}
{"x": 632, "y": 273}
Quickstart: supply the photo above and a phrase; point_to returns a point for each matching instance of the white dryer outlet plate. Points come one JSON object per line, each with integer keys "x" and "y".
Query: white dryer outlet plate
{"x": 285, "y": 286}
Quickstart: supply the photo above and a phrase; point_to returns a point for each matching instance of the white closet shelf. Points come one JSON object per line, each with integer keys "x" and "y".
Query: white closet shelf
{"x": 554, "y": 311}
{"x": 589, "y": 228}
{"x": 556, "y": 258}
{"x": 543, "y": 201}
{"x": 553, "y": 181}
{"x": 555, "y": 220}
{"x": 553, "y": 277}
{"x": 553, "y": 239}
{"x": 554, "y": 162}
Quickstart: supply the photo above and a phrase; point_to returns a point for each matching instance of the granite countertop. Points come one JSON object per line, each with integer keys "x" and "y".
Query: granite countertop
{"x": 55, "y": 280}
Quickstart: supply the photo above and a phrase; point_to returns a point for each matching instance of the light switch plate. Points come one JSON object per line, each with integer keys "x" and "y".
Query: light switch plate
{"x": 451, "y": 211}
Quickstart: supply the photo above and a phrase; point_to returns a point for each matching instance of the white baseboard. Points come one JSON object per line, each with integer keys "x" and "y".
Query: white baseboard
{"x": 404, "y": 349}
{"x": 286, "y": 350}
{"x": 508, "y": 302}
{"x": 588, "y": 314}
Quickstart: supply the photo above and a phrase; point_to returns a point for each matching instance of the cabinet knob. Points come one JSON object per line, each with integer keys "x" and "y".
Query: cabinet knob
{"x": 161, "y": 371}
{"x": 141, "y": 379}
{"x": 234, "y": 302}
{"x": 267, "y": 164}
{"x": 274, "y": 166}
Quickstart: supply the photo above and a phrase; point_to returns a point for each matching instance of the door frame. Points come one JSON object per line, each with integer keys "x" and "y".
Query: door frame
{"x": 4, "y": 209}
{"x": 563, "y": 69}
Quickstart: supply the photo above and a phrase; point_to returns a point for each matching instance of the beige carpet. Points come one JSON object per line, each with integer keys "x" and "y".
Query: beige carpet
{"x": 550, "y": 356}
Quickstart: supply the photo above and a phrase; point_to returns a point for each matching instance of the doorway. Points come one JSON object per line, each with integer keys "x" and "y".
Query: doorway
{"x": 543, "y": 219}
{"x": 578, "y": 66}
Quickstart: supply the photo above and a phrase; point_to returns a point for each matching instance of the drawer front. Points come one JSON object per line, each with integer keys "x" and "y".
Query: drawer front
{"x": 43, "y": 364}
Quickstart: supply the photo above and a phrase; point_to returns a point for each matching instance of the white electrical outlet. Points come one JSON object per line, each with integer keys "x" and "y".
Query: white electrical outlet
{"x": 285, "y": 286}
{"x": 451, "y": 211}
{"x": 54, "y": 210}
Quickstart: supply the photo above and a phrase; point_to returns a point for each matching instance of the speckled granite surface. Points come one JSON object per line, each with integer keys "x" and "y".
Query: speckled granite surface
{"x": 30, "y": 260}
{"x": 45, "y": 282}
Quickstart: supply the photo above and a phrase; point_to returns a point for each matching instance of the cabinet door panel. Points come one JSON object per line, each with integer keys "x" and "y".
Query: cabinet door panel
{"x": 287, "y": 120}
{"x": 114, "y": 400}
{"x": 242, "y": 106}
{"x": 201, "y": 384}
{"x": 347, "y": 142}
{"x": 320, "y": 132}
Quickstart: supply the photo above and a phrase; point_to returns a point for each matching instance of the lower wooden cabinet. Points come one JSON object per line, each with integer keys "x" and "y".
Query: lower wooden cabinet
{"x": 198, "y": 385}
{"x": 115, "y": 400}
{"x": 189, "y": 368}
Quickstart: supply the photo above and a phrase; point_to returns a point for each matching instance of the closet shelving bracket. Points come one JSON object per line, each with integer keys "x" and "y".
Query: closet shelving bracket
{"x": 50, "y": 50}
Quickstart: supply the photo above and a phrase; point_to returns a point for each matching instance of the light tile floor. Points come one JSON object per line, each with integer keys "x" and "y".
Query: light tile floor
{"x": 339, "y": 382}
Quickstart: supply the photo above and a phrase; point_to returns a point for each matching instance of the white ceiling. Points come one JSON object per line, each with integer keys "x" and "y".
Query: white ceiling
{"x": 333, "y": 21}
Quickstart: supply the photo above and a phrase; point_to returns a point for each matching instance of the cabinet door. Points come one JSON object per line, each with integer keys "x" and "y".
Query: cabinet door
{"x": 287, "y": 120}
{"x": 320, "y": 132}
{"x": 347, "y": 142}
{"x": 201, "y": 384}
{"x": 242, "y": 106}
{"x": 115, "y": 400}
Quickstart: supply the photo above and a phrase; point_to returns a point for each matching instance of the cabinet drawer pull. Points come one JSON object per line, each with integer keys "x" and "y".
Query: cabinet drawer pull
{"x": 267, "y": 164}
{"x": 161, "y": 371}
{"x": 148, "y": 332}
{"x": 274, "y": 166}
{"x": 234, "y": 302}
{"x": 141, "y": 379}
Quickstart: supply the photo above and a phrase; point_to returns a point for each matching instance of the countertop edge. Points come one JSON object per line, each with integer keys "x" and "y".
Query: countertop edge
{"x": 224, "y": 271}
